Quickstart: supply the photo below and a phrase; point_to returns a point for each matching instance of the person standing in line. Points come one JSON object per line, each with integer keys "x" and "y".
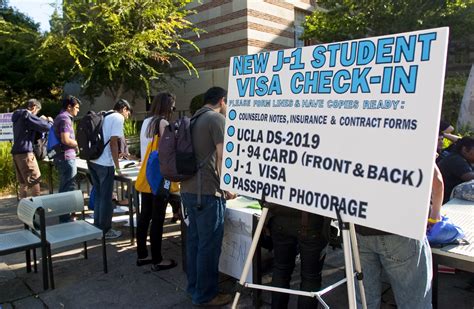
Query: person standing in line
{"x": 153, "y": 207}
{"x": 206, "y": 220}
{"x": 406, "y": 261}
{"x": 65, "y": 161}
{"x": 26, "y": 124}
{"x": 294, "y": 231}
{"x": 102, "y": 169}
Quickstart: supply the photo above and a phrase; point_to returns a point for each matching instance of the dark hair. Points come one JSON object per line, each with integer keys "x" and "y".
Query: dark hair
{"x": 32, "y": 103}
{"x": 466, "y": 141}
{"x": 70, "y": 101}
{"x": 161, "y": 107}
{"x": 213, "y": 95}
{"x": 162, "y": 104}
{"x": 122, "y": 103}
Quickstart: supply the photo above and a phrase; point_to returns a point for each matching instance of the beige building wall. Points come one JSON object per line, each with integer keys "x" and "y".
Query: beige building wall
{"x": 237, "y": 28}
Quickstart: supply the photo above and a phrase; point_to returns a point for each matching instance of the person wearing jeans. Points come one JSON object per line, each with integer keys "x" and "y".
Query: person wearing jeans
{"x": 406, "y": 261}
{"x": 65, "y": 161}
{"x": 206, "y": 218}
{"x": 103, "y": 181}
{"x": 102, "y": 169}
{"x": 203, "y": 245}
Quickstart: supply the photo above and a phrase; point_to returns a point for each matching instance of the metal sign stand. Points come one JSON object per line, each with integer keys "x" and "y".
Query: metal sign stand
{"x": 351, "y": 253}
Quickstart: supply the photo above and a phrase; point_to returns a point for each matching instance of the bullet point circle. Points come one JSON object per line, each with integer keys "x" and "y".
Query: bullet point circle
{"x": 230, "y": 146}
{"x": 228, "y": 162}
{"x": 232, "y": 114}
{"x": 227, "y": 179}
{"x": 231, "y": 131}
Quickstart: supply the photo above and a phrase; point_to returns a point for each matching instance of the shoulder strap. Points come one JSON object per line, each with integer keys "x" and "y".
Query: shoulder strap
{"x": 195, "y": 117}
{"x": 108, "y": 113}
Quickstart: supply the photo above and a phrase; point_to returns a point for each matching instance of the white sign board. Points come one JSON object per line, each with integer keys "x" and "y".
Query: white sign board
{"x": 6, "y": 127}
{"x": 236, "y": 242}
{"x": 350, "y": 125}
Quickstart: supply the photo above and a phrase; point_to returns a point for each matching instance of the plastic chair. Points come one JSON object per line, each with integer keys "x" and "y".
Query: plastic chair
{"x": 26, "y": 240}
{"x": 70, "y": 233}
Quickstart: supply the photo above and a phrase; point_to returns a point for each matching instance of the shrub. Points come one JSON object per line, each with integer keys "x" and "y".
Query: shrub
{"x": 7, "y": 176}
{"x": 50, "y": 108}
{"x": 130, "y": 127}
{"x": 452, "y": 98}
{"x": 196, "y": 103}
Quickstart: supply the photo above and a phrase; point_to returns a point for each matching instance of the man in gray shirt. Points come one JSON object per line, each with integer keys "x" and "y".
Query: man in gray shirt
{"x": 206, "y": 219}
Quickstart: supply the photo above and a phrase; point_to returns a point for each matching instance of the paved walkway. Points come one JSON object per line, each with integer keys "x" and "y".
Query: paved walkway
{"x": 81, "y": 283}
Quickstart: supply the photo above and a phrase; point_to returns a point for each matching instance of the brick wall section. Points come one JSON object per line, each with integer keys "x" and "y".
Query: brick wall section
{"x": 241, "y": 13}
{"x": 210, "y": 5}
{"x": 208, "y": 57}
{"x": 272, "y": 18}
{"x": 235, "y": 44}
{"x": 265, "y": 46}
{"x": 218, "y": 32}
{"x": 217, "y": 48}
{"x": 266, "y": 29}
{"x": 220, "y": 19}
{"x": 241, "y": 26}
{"x": 281, "y": 4}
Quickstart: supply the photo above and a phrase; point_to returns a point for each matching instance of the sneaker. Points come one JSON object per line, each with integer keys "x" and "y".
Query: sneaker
{"x": 112, "y": 234}
{"x": 219, "y": 300}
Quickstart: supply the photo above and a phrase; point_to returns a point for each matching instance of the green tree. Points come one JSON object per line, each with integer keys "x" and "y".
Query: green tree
{"x": 19, "y": 36}
{"x": 25, "y": 71}
{"x": 338, "y": 20}
{"x": 122, "y": 45}
{"x": 352, "y": 19}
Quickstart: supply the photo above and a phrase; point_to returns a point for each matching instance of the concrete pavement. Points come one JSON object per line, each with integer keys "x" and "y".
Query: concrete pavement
{"x": 81, "y": 283}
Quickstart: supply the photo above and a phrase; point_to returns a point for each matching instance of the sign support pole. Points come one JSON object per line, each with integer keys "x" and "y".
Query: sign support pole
{"x": 351, "y": 254}
{"x": 253, "y": 247}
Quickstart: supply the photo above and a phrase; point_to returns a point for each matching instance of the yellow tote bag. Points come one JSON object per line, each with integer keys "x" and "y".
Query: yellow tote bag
{"x": 141, "y": 184}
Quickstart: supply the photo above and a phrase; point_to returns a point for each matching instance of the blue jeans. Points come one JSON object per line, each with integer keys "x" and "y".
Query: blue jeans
{"x": 103, "y": 181}
{"x": 67, "y": 171}
{"x": 407, "y": 263}
{"x": 203, "y": 245}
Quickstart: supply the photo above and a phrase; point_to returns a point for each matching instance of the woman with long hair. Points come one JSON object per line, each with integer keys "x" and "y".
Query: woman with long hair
{"x": 153, "y": 207}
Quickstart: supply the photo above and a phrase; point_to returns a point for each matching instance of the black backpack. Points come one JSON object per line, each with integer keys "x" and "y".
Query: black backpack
{"x": 39, "y": 145}
{"x": 89, "y": 135}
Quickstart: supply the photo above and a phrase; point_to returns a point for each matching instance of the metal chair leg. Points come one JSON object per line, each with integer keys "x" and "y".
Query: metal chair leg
{"x": 35, "y": 266}
{"x": 51, "y": 275}
{"x": 28, "y": 260}
{"x": 44, "y": 267}
{"x": 85, "y": 250}
{"x": 104, "y": 253}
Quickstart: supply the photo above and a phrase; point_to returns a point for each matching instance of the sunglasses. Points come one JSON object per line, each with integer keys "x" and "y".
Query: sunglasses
{"x": 173, "y": 108}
